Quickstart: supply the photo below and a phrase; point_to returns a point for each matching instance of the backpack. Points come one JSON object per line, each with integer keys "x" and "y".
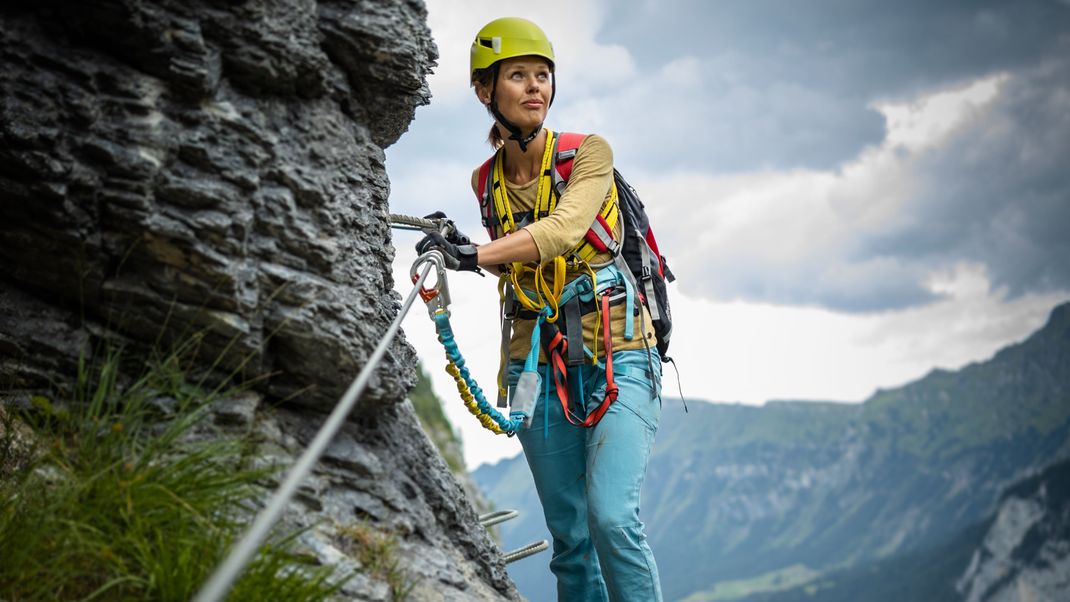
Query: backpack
{"x": 639, "y": 249}
{"x": 645, "y": 262}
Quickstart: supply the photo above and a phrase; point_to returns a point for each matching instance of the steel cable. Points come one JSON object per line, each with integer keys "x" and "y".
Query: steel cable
{"x": 220, "y": 582}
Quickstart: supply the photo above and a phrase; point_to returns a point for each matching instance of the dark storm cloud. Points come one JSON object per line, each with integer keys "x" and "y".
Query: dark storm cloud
{"x": 995, "y": 193}
{"x": 788, "y": 84}
{"x": 1000, "y": 193}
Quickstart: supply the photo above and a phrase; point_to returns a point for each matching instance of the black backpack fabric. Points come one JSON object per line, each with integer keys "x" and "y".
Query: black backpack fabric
{"x": 640, "y": 252}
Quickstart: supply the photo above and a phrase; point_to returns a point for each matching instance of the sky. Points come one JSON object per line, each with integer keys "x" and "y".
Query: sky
{"x": 850, "y": 193}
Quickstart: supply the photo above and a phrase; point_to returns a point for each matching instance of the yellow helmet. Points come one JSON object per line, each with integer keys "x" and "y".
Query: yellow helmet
{"x": 506, "y": 38}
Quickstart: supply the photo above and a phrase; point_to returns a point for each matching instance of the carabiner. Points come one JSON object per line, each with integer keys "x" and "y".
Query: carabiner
{"x": 437, "y": 298}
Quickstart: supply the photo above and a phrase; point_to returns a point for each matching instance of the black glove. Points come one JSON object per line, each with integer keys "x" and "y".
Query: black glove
{"x": 457, "y": 257}
{"x": 453, "y": 235}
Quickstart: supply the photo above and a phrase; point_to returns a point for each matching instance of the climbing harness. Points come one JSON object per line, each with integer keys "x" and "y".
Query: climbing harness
{"x": 558, "y": 313}
{"x": 556, "y": 168}
{"x": 635, "y": 255}
{"x": 219, "y": 583}
{"x": 499, "y": 219}
{"x": 529, "y": 384}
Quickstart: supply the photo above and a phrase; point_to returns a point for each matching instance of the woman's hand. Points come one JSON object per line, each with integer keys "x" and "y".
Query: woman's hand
{"x": 453, "y": 235}
{"x": 456, "y": 257}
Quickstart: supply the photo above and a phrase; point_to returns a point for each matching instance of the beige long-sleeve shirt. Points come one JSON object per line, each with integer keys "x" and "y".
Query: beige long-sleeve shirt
{"x": 556, "y": 234}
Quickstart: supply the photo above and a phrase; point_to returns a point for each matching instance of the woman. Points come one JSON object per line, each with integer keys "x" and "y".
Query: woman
{"x": 588, "y": 466}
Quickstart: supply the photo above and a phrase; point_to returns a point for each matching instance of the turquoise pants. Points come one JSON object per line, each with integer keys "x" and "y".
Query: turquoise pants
{"x": 589, "y": 480}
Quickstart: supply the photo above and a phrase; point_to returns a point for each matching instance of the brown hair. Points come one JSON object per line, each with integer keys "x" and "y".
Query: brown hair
{"x": 485, "y": 78}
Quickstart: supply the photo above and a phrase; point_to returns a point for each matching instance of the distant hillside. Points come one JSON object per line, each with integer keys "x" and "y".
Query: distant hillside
{"x": 1020, "y": 552}
{"x": 1026, "y": 549}
{"x": 740, "y": 499}
{"x": 433, "y": 419}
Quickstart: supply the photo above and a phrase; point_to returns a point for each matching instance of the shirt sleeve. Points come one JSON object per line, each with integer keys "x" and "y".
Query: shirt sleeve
{"x": 587, "y": 189}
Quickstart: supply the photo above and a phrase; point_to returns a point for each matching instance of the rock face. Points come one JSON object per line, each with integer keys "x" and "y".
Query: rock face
{"x": 369, "y": 481}
{"x": 172, "y": 170}
{"x": 1025, "y": 554}
{"x": 210, "y": 175}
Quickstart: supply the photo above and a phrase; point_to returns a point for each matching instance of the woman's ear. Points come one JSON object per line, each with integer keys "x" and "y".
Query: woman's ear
{"x": 482, "y": 93}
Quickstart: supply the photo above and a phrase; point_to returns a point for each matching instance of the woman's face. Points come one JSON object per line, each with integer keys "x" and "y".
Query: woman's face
{"x": 524, "y": 88}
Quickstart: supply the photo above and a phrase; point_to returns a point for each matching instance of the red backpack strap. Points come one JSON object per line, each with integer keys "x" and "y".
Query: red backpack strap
{"x": 567, "y": 145}
{"x": 486, "y": 204}
{"x": 600, "y": 235}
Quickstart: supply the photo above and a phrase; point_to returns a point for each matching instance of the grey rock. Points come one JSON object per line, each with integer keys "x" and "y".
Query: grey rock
{"x": 209, "y": 177}
{"x": 1025, "y": 553}
{"x": 174, "y": 170}
{"x": 347, "y": 453}
{"x": 238, "y": 409}
{"x": 36, "y": 341}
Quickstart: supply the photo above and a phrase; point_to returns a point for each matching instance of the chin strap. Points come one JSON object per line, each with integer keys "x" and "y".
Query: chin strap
{"x": 514, "y": 132}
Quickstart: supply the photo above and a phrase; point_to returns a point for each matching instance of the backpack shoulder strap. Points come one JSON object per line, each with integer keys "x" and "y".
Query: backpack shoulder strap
{"x": 483, "y": 190}
{"x": 567, "y": 145}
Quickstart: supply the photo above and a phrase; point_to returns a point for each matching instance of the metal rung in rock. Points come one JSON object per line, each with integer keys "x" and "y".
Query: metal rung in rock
{"x": 524, "y": 552}
{"x": 500, "y": 516}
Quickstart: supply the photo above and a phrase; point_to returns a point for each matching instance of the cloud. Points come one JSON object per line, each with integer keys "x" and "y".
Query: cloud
{"x": 970, "y": 173}
{"x": 584, "y": 63}
{"x": 788, "y": 85}
{"x": 753, "y": 352}
{"x": 999, "y": 194}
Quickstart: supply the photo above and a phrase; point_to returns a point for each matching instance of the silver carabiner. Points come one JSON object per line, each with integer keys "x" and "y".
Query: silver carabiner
{"x": 437, "y": 298}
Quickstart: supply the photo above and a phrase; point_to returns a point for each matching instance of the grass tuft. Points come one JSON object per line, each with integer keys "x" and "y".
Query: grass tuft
{"x": 119, "y": 503}
{"x": 376, "y": 551}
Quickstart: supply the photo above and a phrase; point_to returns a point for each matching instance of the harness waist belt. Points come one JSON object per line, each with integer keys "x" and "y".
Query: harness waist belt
{"x": 586, "y": 307}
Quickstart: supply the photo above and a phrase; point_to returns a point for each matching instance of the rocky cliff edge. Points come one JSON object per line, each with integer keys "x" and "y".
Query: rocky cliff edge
{"x": 214, "y": 172}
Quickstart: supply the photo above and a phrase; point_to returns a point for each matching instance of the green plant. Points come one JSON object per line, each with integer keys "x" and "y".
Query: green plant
{"x": 128, "y": 500}
{"x": 377, "y": 552}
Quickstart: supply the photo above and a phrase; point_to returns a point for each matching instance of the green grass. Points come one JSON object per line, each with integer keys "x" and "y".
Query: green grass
{"x": 120, "y": 502}
{"x": 778, "y": 580}
{"x": 377, "y": 552}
